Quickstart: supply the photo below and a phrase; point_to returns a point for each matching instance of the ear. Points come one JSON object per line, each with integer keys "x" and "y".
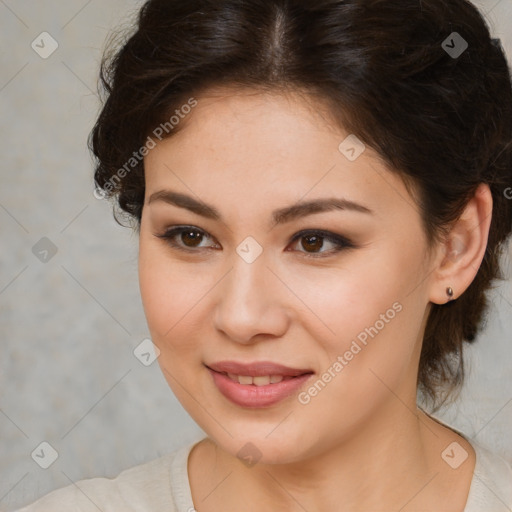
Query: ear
{"x": 463, "y": 250}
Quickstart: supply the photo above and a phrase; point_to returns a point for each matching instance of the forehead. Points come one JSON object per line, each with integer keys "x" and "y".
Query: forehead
{"x": 266, "y": 149}
{"x": 241, "y": 122}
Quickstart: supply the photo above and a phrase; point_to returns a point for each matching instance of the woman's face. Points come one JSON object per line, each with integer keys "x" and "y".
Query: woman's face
{"x": 347, "y": 300}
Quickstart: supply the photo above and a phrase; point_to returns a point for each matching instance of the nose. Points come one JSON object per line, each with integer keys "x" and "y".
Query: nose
{"x": 251, "y": 302}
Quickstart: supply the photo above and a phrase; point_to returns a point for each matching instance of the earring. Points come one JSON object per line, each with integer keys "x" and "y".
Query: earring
{"x": 449, "y": 292}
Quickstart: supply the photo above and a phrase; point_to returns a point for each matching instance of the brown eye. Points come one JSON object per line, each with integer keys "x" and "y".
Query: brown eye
{"x": 312, "y": 243}
{"x": 185, "y": 238}
{"x": 191, "y": 238}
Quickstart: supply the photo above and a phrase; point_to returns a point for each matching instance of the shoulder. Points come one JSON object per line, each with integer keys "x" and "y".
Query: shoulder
{"x": 136, "y": 488}
{"x": 491, "y": 487}
{"x": 145, "y": 487}
{"x": 491, "y": 482}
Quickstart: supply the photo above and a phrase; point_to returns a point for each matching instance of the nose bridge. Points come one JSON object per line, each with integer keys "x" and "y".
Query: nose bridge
{"x": 249, "y": 301}
{"x": 248, "y": 278}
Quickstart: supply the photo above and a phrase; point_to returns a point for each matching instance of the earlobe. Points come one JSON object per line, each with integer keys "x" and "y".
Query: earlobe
{"x": 463, "y": 249}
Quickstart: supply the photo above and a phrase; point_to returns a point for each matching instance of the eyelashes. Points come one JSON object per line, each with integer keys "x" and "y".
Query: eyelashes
{"x": 314, "y": 239}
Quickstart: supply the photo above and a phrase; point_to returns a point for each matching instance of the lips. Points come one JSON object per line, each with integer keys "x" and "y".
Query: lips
{"x": 258, "y": 396}
{"x": 258, "y": 384}
{"x": 257, "y": 369}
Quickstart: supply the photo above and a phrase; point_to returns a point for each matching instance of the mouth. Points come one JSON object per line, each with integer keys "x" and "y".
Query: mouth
{"x": 259, "y": 388}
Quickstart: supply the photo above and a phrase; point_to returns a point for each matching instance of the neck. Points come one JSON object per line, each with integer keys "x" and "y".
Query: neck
{"x": 377, "y": 467}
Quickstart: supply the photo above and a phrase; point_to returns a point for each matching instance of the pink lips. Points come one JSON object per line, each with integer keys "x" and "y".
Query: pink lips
{"x": 250, "y": 395}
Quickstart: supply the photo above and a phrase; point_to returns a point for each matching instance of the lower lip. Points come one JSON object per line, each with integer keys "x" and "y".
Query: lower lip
{"x": 257, "y": 396}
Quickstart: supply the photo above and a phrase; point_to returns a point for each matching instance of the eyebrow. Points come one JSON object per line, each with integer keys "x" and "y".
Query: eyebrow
{"x": 279, "y": 216}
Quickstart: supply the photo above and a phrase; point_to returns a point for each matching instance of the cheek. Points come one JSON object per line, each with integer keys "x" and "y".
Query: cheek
{"x": 170, "y": 292}
{"x": 340, "y": 302}
{"x": 369, "y": 313}
{"x": 171, "y": 298}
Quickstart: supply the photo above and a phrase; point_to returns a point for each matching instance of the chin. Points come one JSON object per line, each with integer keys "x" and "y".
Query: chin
{"x": 259, "y": 447}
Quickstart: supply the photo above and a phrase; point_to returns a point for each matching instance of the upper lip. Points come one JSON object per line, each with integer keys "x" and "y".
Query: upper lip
{"x": 257, "y": 368}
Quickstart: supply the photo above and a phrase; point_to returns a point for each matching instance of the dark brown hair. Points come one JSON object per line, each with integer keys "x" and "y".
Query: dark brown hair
{"x": 442, "y": 121}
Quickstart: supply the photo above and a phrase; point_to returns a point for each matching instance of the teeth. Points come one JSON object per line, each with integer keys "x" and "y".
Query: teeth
{"x": 242, "y": 379}
{"x": 263, "y": 380}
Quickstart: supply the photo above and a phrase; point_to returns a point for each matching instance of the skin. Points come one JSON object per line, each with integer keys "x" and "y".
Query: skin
{"x": 360, "y": 444}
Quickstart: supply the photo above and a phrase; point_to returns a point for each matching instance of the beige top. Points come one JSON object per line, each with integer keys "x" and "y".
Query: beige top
{"x": 162, "y": 484}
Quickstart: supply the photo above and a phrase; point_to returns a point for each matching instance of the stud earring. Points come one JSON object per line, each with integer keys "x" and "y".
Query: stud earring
{"x": 449, "y": 292}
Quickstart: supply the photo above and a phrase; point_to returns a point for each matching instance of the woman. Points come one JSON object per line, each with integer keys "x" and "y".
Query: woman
{"x": 320, "y": 193}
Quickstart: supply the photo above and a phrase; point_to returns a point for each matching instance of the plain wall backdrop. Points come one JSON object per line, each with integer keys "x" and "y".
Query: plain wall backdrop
{"x": 70, "y": 311}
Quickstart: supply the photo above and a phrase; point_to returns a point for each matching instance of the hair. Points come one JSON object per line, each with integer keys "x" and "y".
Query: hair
{"x": 443, "y": 122}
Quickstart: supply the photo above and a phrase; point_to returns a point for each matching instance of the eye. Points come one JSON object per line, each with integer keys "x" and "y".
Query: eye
{"x": 189, "y": 238}
{"x": 313, "y": 240}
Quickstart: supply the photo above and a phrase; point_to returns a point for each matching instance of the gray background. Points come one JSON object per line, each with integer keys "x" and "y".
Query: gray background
{"x": 69, "y": 326}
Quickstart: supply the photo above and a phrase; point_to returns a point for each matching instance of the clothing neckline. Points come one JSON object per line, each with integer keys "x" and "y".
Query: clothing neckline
{"x": 180, "y": 483}
{"x": 182, "y": 493}
{"x": 483, "y": 456}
